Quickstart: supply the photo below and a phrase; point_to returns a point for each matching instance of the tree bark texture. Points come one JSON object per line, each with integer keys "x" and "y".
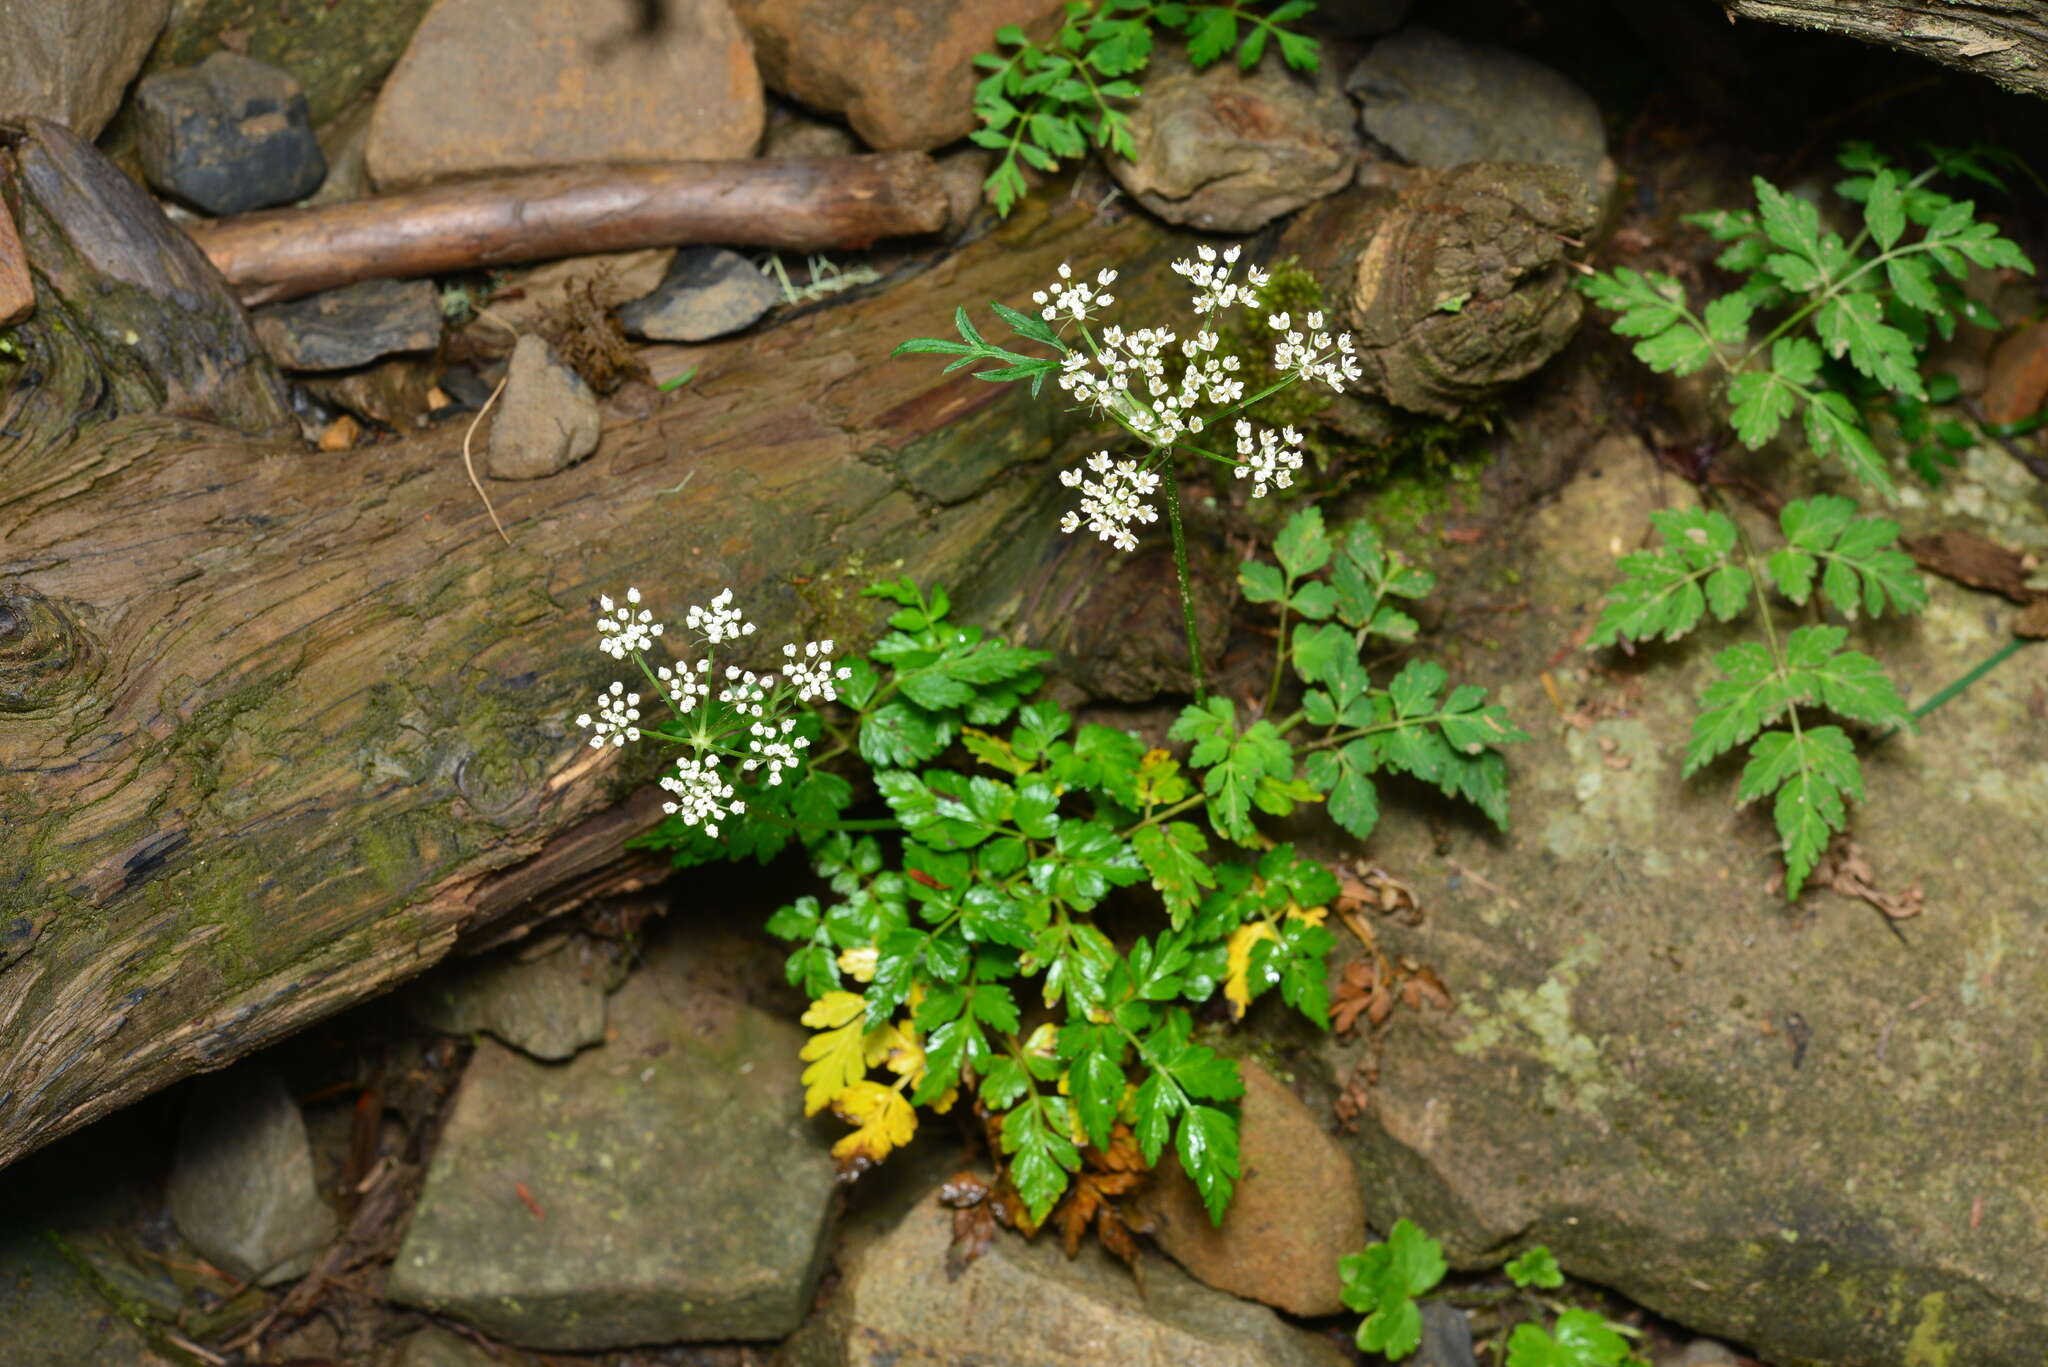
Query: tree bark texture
{"x": 797, "y": 205}
{"x": 279, "y": 727}
{"x": 2004, "y": 40}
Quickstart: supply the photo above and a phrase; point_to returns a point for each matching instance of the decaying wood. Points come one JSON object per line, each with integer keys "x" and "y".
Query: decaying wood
{"x": 279, "y": 728}
{"x": 798, "y": 205}
{"x": 2003, "y": 40}
{"x": 17, "y": 291}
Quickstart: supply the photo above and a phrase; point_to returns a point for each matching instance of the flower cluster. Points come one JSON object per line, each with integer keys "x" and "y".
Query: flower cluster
{"x": 1214, "y": 289}
{"x": 1270, "y": 460}
{"x": 1166, "y": 389}
{"x": 747, "y": 724}
{"x": 620, "y": 630}
{"x": 1068, "y": 298}
{"x": 1315, "y": 355}
{"x": 1111, "y": 504}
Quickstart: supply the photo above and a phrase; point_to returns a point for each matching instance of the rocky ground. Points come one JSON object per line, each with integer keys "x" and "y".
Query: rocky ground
{"x": 1810, "y": 1132}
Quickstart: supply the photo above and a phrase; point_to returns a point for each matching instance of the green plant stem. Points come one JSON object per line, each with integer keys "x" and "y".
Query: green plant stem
{"x": 1180, "y": 570}
{"x": 1977, "y": 671}
{"x": 1279, "y": 647}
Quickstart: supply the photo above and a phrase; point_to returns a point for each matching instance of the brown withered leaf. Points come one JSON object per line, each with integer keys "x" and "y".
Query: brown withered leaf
{"x": 1423, "y": 987}
{"x": 1358, "y": 988}
{"x": 2032, "y": 622}
{"x": 974, "y": 1220}
{"x": 1844, "y": 869}
{"x": 1972, "y": 560}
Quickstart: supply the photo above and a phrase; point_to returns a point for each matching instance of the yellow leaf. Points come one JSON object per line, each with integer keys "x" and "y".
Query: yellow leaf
{"x": 901, "y": 1052}
{"x": 859, "y": 964}
{"x": 837, "y": 1054}
{"x": 1237, "y": 963}
{"x": 883, "y": 1121}
{"x": 1159, "y": 780}
{"x": 1313, "y": 915}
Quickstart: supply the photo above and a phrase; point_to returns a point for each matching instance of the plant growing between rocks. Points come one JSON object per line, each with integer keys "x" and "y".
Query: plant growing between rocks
{"x": 1386, "y": 1282}
{"x": 1041, "y": 104}
{"x": 1836, "y": 318}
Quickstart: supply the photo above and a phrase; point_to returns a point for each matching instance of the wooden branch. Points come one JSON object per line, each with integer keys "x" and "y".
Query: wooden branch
{"x": 798, "y": 205}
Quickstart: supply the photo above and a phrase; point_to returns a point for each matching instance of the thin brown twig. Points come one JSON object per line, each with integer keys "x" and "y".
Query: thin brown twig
{"x": 470, "y": 464}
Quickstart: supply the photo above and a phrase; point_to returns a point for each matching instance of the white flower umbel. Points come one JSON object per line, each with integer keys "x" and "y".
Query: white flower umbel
{"x": 1271, "y": 459}
{"x": 1315, "y": 354}
{"x": 1071, "y": 299}
{"x": 1110, "y": 504}
{"x": 1214, "y": 289}
{"x": 702, "y": 797}
{"x": 728, "y": 719}
{"x": 620, "y": 630}
{"x": 720, "y": 621}
{"x": 811, "y": 672}
{"x": 616, "y": 720}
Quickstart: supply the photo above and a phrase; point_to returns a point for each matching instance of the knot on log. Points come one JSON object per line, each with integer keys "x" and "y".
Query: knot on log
{"x": 45, "y": 656}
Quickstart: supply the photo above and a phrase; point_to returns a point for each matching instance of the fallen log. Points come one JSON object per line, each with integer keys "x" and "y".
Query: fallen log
{"x": 2004, "y": 40}
{"x": 795, "y": 205}
{"x": 279, "y": 727}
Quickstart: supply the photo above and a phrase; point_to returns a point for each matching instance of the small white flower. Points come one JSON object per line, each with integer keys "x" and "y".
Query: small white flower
{"x": 702, "y": 798}
{"x": 615, "y": 721}
{"x": 720, "y": 621}
{"x": 1272, "y": 459}
{"x": 811, "y": 672}
{"x": 685, "y": 686}
{"x": 621, "y": 630}
{"x": 1110, "y": 505}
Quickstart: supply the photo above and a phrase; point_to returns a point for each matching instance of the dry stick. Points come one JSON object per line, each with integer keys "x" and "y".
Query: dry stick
{"x": 470, "y": 465}
{"x": 801, "y": 204}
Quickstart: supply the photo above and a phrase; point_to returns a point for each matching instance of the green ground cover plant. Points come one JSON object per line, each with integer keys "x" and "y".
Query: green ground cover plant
{"x": 1816, "y": 331}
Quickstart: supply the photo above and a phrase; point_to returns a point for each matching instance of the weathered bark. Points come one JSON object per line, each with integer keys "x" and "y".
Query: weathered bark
{"x": 2004, "y": 40}
{"x": 799, "y": 205}
{"x": 278, "y": 727}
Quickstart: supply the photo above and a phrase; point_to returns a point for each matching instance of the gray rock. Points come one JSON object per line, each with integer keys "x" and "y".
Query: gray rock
{"x": 904, "y": 1299}
{"x": 51, "y": 1315}
{"x": 708, "y": 292}
{"x": 547, "y": 418}
{"x": 1446, "y": 1338}
{"x": 241, "y": 1188}
{"x": 795, "y": 133}
{"x": 681, "y": 1192}
{"x": 352, "y": 326}
{"x": 436, "y": 1347}
{"x": 227, "y": 136}
{"x": 1230, "y": 150}
{"x": 549, "y": 1008}
{"x": 70, "y": 62}
{"x": 1441, "y": 101}
{"x": 1623, "y": 1078}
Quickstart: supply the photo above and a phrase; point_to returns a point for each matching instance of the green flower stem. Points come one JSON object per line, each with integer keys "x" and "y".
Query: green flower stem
{"x": 1983, "y": 667}
{"x": 1166, "y": 815}
{"x": 1180, "y": 570}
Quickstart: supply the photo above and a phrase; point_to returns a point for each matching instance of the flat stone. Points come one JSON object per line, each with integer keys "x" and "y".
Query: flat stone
{"x": 549, "y": 1008}
{"x": 52, "y": 1316}
{"x": 396, "y": 393}
{"x": 241, "y": 1187}
{"x": 1441, "y": 101}
{"x": 547, "y": 419}
{"x": 71, "y": 62}
{"x": 1296, "y": 1211}
{"x": 1229, "y": 150}
{"x": 564, "y": 85}
{"x": 708, "y": 292}
{"x": 1446, "y": 1338}
{"x": 352, "y": 326}
{"x": 901, "y": 71}
{"x": 904, "y": 1300}
{"x": 678, "y": 1192}
{"x": 1772, "y": 1123}
{"x": 229, "y": 135}
{"x": 531, "y": 299}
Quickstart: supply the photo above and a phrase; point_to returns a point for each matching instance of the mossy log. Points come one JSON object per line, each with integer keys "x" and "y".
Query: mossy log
{"x": 278, "y": 728}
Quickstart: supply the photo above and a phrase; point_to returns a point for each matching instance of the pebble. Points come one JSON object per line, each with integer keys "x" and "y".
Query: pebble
{"x": 228, "y": 136}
